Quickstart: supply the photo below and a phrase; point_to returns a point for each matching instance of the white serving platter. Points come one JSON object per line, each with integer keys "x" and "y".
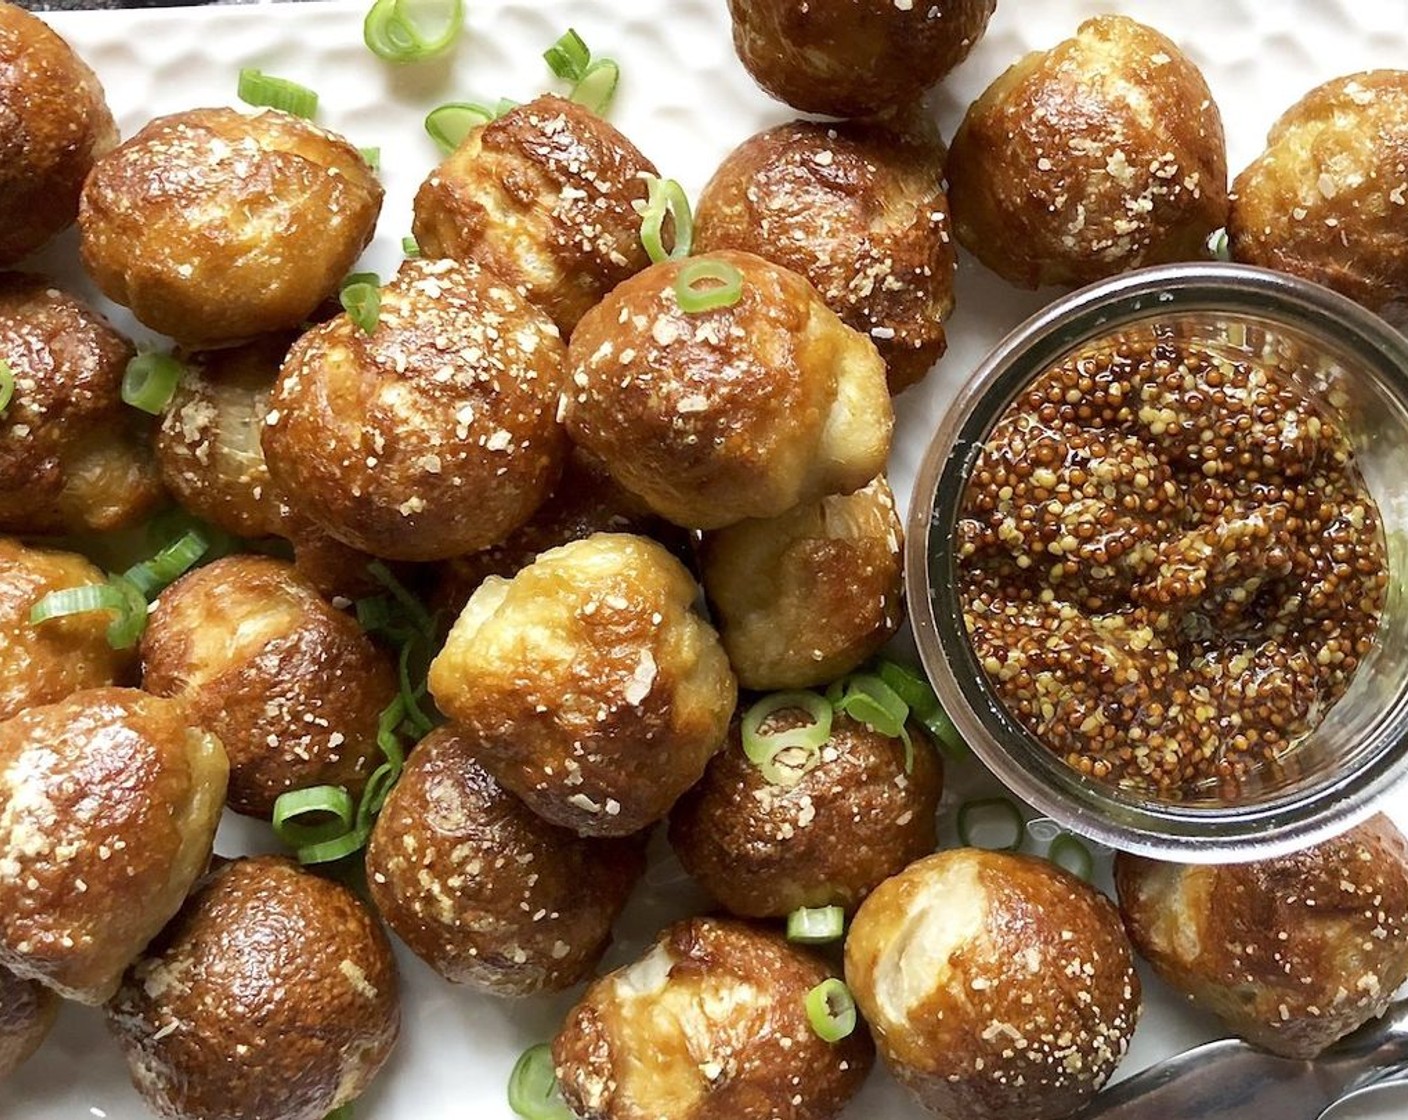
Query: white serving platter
{"x": 686, "y": 101}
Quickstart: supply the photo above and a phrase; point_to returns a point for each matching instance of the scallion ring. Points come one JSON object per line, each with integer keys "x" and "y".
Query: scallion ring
{"x": 569, "y": 57}
{"x": 150, "y": 381}
{"x": 410, "y": 247}
{"x": 1217, "y": 246}
{"x": 378, "y": 788}
{"x": 666, "y": 197}
{"x": 1070, "y": 853}
{"x": 332, "y": 805}
{"x": 339, "y": 847}
{"x": 411, "y": 694}
{"x": 417, "y": 613}
{"x": 722, "y": 285}
{"x": 912, "y": 687}
{"x": 450, "y": 123}
{"x": 596, "y": 89}
{"x": 831, "y": 1010}
{"x": 388, "y": 731}
{"x": 265, "y": 90}
{"x": 533, "y": 1092}
{"x": 372, "y": 156}
{"x": 7, "y": 384}
{"x": 816, "y": 925}
{"x": 361, "y": 299}
{"x": 412, "y": 30}
{"x": 125, "y": 630}
{"x": 77, "y": 600}
{"x": 867, "y": 699}
{"x": 994, "y": 823}
{"x": 785, "y": 756}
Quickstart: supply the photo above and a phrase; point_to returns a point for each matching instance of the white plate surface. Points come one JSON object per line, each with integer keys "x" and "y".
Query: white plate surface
{"x": 686, "y": 102}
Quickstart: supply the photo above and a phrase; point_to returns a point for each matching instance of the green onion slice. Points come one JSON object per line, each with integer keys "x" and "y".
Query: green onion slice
{"x": 914, "y": 689}
{"x": 994, "y": 823}
{"x": 329, "y": 851}
{"x": 170, "y": 564}
{"x": 1217, "y": 247}
{"x": 412, "y": 30}
{"x": 361, "y": 299}
{"x": 258, "y": 88}
{"x": 330, "y": 806}
{"x": 816, "y": 925}
{"x": 419, "y": 616}
{"x": 150, "y": 380}
{"x": 411, "y": 695}
{"x": 666, "y": 197}
{"x": 7, "y": 384}
{"x": 505, "y": 105}
{"x": 450, "y": 123}
{"x": 867, "y": 699}
{"x": 568, "y": 57}
{"x": 127, "y": 627}
{"x": 410, "y": 247}
{"x": 533, "y": 1092}
{"x": 78, "y": 600}
{"x": 722, "y": 285}
{"x": 372, "y": 156}
{"x": 596, "y": 89}
{"x": 1069, "y": 852}
{"x": 785, "y": 756}
{"x": 388, "y": 728}
{"x": 831, "y": 1010}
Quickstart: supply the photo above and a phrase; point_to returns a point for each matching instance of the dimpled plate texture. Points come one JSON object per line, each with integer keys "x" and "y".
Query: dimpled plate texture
{"x": 686, "y": 101}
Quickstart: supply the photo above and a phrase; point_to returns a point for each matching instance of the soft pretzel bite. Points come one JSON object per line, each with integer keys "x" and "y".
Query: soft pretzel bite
{"x": 73, "y": 456}
{"x": 56, "y": 123}
{"x": 433, "y": 434}
{"x": 214, "y": 225}
{"x": 1103, "y": 154}
{"x": 108, "y": 806}
{"x": 740, "y": 411}
{"x": 588, "y": 685}
{"x": 544, "y": 196}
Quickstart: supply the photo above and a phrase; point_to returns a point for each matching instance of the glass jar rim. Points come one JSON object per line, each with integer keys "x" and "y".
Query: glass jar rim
{"x": 1114, "y": 816}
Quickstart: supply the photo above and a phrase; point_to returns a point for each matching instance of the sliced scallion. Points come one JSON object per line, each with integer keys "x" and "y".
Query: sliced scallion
{"x": 867, "y": 699}
{"x": 150, "y": 381}
{"x": 785, "y": 756}
{"x": 372, "y": 156}
{"x": 172, "y": 562}
{"x": 411, "y": 694}
{"x": 569, "y": 57}
{"x": 994, "y": 823}
{"x": 1217, "y": 246}
{"x": 831, "y": 1010}
{"x": 912, "y": 687}
{"x": 412, "y": 30}
{"x": 666, "y": 197}
{"x": 258, "y": 88}
{"x": 361, "y": 299}
{"x": 1069, "y": 852}
{"x": 533, "y": 1091}
{"x": 7, "y": 384}
{"x": 816, "y": 925}
{"x": 450, "y": 123}
{"x": 413, "y": 607}
{"x": 410, "y": 247}
{"x": 127, "y": 627}
{"x": 706, "y": 285}
{"x": 78, "y": 600}
{"x": 330, "y": 807}
{"x": 596, "y": 89}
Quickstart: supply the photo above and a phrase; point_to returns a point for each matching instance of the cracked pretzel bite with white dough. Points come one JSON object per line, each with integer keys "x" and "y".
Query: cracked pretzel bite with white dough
{"x": 273, "y": 995}
{"x": 1103, "y": 154}
{"x": 854, "y": 58}
{"x": 858, "y": 208}
{"x": 997, "y": 985}
{"x": 743, "y": 410}
{"x": 431, "y": 435}
{"x": 293, "y": 688}
{"x": 1326, "y": 200}
{"x": 55, "y": 123}
{"x": 804, "y": 598}
{"x": 484, "y": 890}
{"x": 108, "y": 805}
{"x": 850, "y": 820}
{"x": 73, "y": 457}
{"x": 1292, "y": 953}
{"x": 588, "y": 685}
{"x": 27, "y": 1011}
{"x": 544, "y": 196}
{"x": 710, "y": 1024}
{"x": 214, "y": 225}
{"x": 46, "y": 662}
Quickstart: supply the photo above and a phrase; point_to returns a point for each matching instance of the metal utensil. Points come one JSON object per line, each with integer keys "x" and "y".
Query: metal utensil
{"x": 1232, "y": 1080}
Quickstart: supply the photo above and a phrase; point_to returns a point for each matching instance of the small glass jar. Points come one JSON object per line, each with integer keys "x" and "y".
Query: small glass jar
{"x": 1356, "y": 365}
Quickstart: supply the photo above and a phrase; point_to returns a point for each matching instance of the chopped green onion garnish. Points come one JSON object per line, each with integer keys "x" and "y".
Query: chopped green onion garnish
{"x": 504, "y": 105}
{"x": 816, "y": 925}
{"x": 449, "y": 124}
{"x": 332, "y": 805}
{"x": 412, "y": 30}
{"x": 411, "y": 694}
{"x": 372, "y": 156}
{"x": 994, "y": 823}
{"x": 78, "y": 600}
{"x": 785, "y": 756}
{"x": 410, "y": 247}
{"x": 7, "y": 384}
{"x": 1070, "y": 853}
{"x": 533, "y": 1092}
{"x": 387, "y": 733}
{"x": 911, "y": 687}
{"x": 831, "y": 1010}
{"x": 150, "y": 381}
{"x": 374, "y": 614}
{"x": 867, "y": 699}
{"x": 666, "y": 197}
{"x": 1217, "y": 245}
{"x": 341, "y": 1112}
{"x": 413, "y": 607}
{"x": 168, "y": 565}
{"x": 257, "y": 88}
{"x": 569, "y": 57}
{"x": 361, "y": 299}
{"x": 722, "y": 285}
{"x": 597, "y": 87}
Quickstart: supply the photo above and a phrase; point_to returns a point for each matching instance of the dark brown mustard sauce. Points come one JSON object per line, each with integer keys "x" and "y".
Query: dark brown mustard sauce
{"x": 1169, "y": 565}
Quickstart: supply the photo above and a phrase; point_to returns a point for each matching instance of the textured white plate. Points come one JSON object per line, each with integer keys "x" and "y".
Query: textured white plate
{"x": 686, "y": 101}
